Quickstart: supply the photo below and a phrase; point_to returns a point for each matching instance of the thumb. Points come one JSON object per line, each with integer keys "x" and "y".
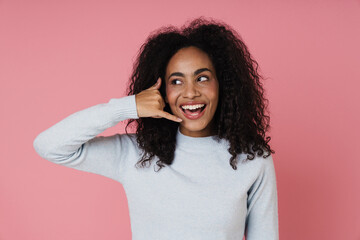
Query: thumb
{"x": 157, "y": 84}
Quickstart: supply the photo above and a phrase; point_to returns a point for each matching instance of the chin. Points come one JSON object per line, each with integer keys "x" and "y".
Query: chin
{"x": 193, "y": 127}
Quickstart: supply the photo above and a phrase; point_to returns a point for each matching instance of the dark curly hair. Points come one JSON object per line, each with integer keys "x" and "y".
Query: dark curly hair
{"x": 240, "y": 116}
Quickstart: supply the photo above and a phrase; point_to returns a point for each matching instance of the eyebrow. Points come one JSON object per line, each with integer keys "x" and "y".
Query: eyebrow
{"x": 195, "y": 73}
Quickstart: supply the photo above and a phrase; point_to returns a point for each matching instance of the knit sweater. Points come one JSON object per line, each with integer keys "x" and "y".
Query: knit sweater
{"x": 199, "y": 196}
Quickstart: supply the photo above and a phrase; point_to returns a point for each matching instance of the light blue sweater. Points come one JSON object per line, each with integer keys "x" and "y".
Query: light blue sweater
{"x": 200, "y": 196}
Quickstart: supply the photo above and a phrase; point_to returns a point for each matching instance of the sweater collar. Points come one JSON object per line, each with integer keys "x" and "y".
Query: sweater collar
{"x": 209, "y": 142}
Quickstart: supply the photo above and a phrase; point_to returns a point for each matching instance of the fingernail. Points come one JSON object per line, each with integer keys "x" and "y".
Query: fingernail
{"x": 179, "y": 119}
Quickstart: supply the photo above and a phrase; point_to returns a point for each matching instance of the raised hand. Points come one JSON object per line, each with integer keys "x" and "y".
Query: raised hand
{"x": 149, "y": 103}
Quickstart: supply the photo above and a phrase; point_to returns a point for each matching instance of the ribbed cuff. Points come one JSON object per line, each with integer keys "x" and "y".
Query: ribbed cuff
{"x": 125, "y": 107}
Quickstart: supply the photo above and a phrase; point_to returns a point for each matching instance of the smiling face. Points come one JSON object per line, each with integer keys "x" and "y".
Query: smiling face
{"x": 192, "y": 91}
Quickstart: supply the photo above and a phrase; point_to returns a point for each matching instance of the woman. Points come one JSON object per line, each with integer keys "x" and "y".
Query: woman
{"x": 199, "y": 105}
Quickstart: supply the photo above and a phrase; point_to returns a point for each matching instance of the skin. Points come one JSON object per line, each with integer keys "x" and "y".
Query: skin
{"x": 202, "y": 87}
{"x": 184, "y": 87}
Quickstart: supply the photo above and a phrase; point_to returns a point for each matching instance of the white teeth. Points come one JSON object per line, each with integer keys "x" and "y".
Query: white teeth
{"x": 192, "y": 107}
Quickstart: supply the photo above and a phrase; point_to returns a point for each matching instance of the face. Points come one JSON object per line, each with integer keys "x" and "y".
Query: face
{"x": 192, "y": 91}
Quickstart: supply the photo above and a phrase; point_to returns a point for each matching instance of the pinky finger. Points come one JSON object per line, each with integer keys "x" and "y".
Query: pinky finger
{"x": 169, "y": 116}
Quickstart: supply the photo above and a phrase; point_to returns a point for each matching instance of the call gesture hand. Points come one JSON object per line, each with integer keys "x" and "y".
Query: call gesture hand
{"x": 149, "y": 103}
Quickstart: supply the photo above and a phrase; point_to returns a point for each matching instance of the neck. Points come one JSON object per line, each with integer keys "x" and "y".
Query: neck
{"x": 188, "y": 133}
{"x": 199, "y": 144}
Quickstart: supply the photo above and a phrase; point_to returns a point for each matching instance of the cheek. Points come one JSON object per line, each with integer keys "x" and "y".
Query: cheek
{"x": 171, "y": 95}
{"x": 213, "y": 92}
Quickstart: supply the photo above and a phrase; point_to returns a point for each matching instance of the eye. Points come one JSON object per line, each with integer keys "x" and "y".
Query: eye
{"x": 203, "y": 77}
{"x": 174, "y": 82}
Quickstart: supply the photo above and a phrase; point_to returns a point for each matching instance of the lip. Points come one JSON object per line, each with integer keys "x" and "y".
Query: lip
{"x": 193, "y": 117}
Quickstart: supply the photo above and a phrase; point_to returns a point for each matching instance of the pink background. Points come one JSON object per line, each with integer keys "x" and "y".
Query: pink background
{"x": 58, "y": 57}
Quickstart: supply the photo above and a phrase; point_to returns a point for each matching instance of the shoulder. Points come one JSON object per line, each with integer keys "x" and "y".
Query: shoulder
{"x": 259, "y": 166}
{"x": 265, "y": 166}
{"x": 264, "y": 162}
{"x": 267, "y": 162}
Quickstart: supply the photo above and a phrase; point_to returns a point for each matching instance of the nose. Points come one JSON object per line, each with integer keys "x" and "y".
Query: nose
{"x": 190, "y": 91}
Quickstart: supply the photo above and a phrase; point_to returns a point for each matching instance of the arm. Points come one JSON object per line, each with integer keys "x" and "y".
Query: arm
{"x": 262, "y": 216}
{"x": 72, "y": 142}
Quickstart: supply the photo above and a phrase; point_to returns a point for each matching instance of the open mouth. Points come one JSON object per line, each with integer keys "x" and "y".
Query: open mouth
{"x": 194, "y": 111}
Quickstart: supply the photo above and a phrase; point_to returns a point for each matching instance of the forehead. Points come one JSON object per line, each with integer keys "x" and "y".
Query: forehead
{"x": 187, "y": 60}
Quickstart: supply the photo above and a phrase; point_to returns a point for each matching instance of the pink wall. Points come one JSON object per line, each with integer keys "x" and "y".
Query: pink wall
{"x": 58, "y": 58}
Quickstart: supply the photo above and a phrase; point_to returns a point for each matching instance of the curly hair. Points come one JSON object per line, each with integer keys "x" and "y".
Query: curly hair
{"x": 240, "y": 116}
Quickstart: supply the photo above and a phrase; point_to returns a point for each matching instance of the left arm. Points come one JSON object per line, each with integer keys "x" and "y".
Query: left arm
{"x": 262, "y": 216}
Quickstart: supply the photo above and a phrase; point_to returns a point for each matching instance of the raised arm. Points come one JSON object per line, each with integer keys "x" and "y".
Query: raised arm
{"x": 72, "y": 142}
{"x": 262, "y": 217}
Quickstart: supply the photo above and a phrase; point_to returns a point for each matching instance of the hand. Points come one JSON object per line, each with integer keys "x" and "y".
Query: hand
{"x": 149, "y": 103}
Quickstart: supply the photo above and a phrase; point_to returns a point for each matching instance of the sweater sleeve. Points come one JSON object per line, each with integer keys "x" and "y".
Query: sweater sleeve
{"x": 72, "y": 142}
{"x": 262, "y": 215}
